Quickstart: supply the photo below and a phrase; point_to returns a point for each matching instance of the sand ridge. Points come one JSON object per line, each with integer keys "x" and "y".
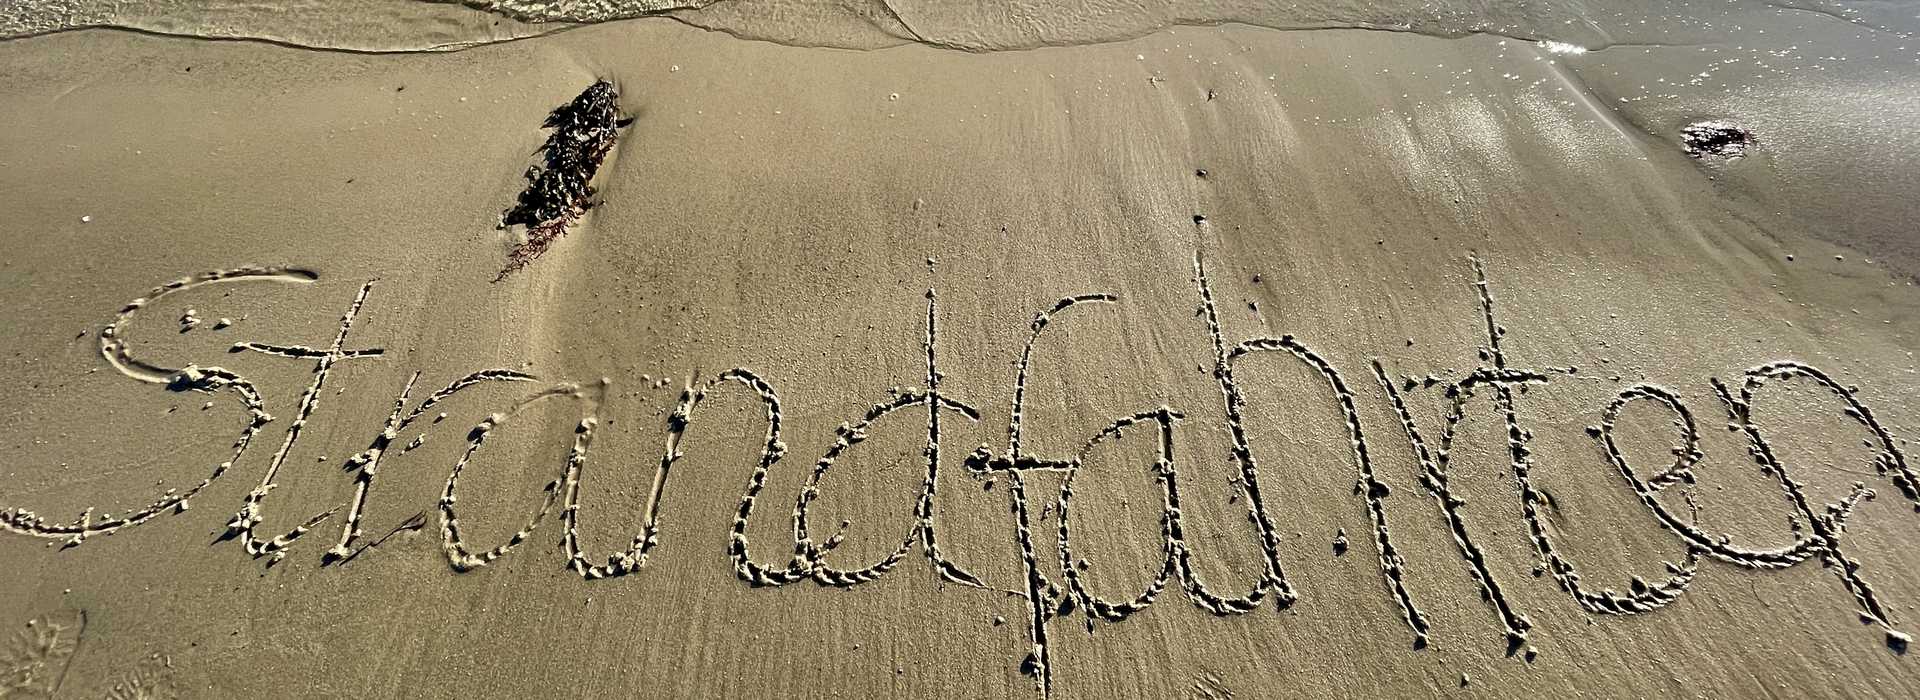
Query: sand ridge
{"x": 1817, "y": 530}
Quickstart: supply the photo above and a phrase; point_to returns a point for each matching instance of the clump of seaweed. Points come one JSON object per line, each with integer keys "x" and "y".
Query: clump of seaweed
{"x": 1721, "y": 139}
{"x": 559, "y": 190}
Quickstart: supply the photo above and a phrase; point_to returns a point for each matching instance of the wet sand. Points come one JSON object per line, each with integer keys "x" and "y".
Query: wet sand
{"x": 1286, "y": 246}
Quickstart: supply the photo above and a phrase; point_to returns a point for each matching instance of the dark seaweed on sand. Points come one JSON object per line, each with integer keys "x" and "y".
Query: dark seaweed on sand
{"x": 559, "y": 190}
{"x": 1715, "y": 139}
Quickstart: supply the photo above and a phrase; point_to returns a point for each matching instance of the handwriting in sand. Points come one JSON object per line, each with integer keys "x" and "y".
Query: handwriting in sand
{"x": 1818, "y": 528}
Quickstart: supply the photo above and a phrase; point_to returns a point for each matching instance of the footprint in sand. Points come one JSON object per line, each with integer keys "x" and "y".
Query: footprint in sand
{"x": 150, "y": 679}
{"x": 34, "y": 661}
{"x": 33, "y": 664}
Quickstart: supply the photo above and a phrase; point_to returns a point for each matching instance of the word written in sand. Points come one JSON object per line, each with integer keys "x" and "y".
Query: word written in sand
{"x": 1817, "y": 528}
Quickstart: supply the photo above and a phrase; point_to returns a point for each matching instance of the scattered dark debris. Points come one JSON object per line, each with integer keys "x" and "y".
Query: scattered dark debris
{"x": 1711, "y": 138}
{"x": 559, "y": 190}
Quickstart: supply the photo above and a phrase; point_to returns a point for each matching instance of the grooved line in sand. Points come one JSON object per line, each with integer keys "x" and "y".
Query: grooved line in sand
{"x": 1817, "y": 529}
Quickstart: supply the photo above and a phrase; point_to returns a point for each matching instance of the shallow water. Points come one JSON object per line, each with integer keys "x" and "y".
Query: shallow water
{"x": 425, "y": 25}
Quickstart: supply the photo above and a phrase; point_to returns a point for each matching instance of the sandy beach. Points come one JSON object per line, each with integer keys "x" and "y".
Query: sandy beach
{"x": 1339, "y": 350}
